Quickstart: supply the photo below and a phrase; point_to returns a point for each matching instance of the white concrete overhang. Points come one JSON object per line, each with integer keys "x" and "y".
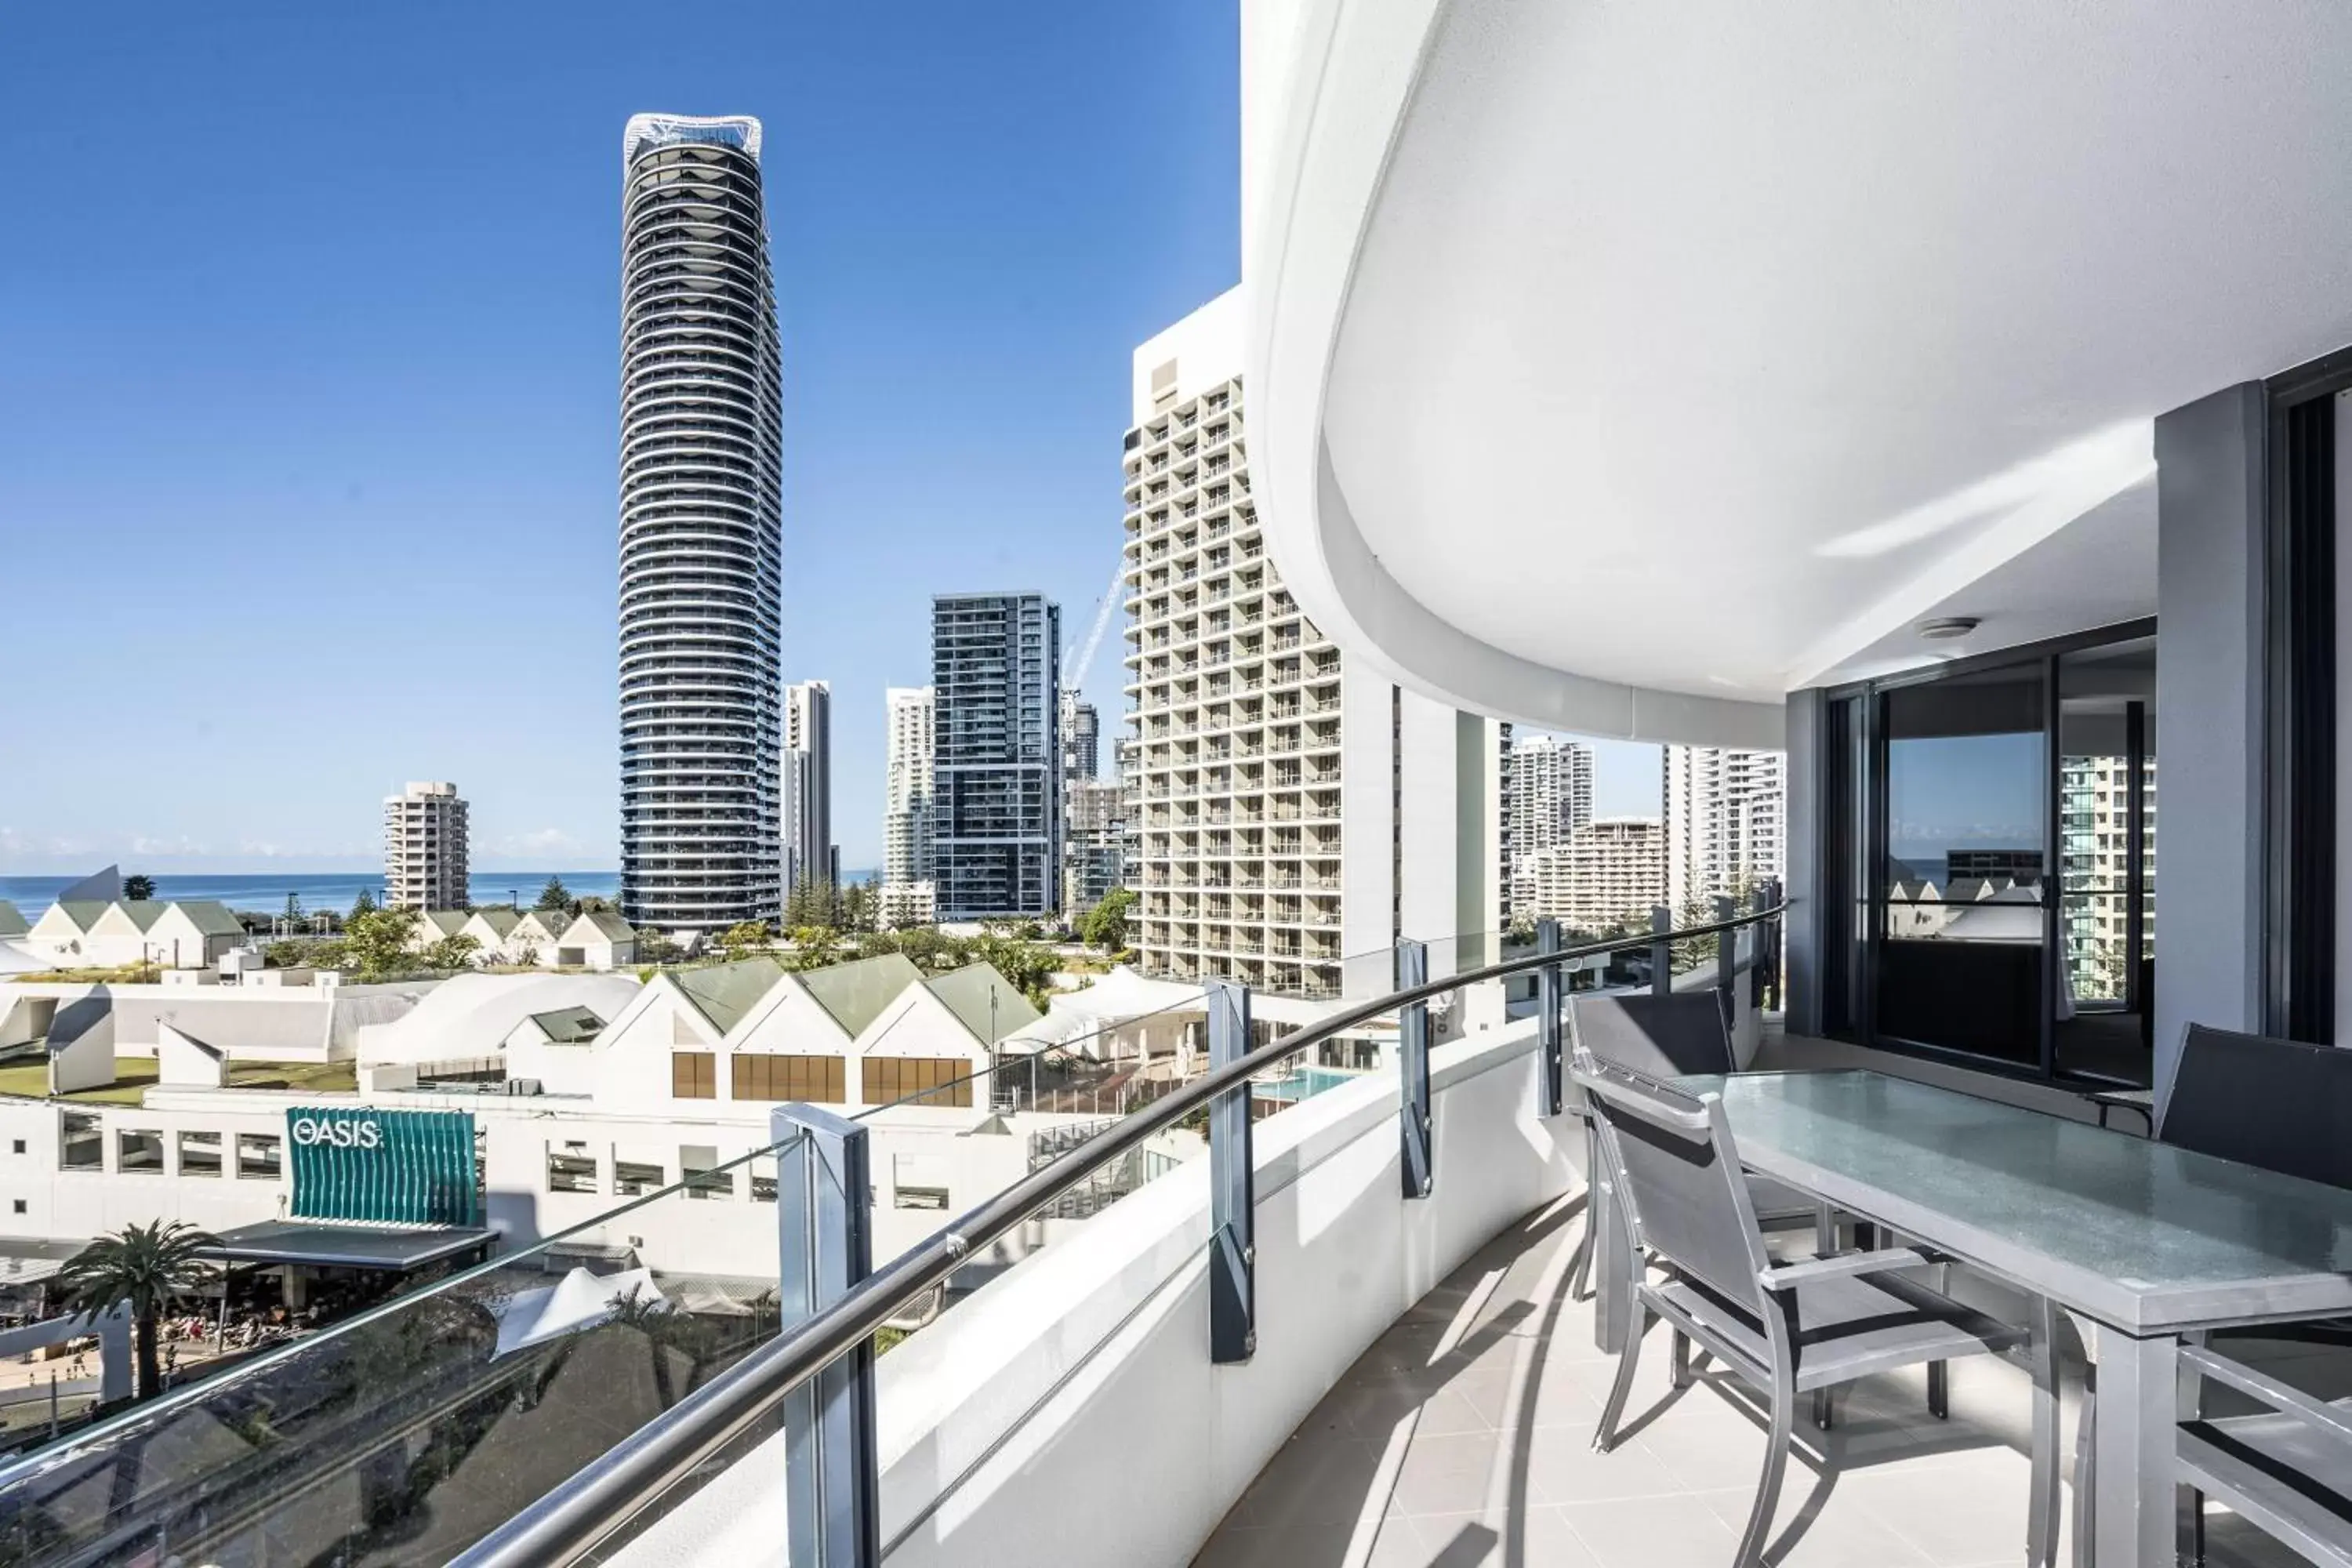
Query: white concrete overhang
{"x": 1623, "y": 368}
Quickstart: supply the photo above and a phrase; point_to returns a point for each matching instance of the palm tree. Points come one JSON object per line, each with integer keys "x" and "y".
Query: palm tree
{"x": 136, "y": 887}
{"x": 146, "y": 1267}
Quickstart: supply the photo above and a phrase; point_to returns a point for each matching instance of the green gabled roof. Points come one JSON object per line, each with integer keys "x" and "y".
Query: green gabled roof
{"x": 210, "y": 916}
{"x": 11, "y": 920}
{"x": 725, "y": 992}
{"x": 502, "y": 921}
{"x": 967, "y": 993}
{"x": 551, "y": 921}
{"x": 144, "y": 913}
{"x": 82, "y": 912}
{"x": 448, "y": 922}
{"x": 853, "y": 995}
{"x": 570, "y": 1026}
{"x": 609, "y": 925}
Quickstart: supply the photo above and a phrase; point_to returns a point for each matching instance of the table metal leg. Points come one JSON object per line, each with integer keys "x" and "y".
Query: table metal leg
{"x": 2137, "y": 1508}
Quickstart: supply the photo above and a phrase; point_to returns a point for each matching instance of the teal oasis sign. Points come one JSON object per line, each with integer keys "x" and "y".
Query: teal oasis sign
{"x": 405, "y": 1167}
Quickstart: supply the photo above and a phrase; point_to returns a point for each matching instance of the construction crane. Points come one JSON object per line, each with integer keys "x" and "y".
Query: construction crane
{"x": 1073, "y": 666}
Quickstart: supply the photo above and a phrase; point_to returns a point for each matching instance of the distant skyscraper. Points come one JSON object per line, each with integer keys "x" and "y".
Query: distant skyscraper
{"x": 425, "y": 849}
{"x": 1725, "y": 812}
{"x": 1081, "y": 738}
{"x": 996, "y": 821}
{"x": 1607, "y": 874}
{"x": 1551, "y": 792}
{"x": 808, "y": 784}
{"x": 906, "y": 788}
{"x": 701, "y": 529}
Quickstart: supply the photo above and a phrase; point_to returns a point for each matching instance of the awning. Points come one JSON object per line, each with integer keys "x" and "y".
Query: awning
{"x": 29, "y": 1260}
{"x": 577, "y": 1300}
{"x": 323, "y": 1246}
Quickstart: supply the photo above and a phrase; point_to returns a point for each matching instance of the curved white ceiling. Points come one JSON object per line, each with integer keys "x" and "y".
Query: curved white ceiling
{"x": 1699, "y": 348}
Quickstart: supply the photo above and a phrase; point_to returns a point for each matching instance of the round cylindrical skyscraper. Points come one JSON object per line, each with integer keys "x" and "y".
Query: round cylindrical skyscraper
{"x": 701, "y": 529}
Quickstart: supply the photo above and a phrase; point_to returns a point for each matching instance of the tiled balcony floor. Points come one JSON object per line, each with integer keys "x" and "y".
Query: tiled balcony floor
{"x": 1465, "y": 1437}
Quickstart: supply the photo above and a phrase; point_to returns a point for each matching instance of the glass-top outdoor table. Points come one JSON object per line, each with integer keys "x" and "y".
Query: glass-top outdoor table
{"x": 2146, "y": 1241}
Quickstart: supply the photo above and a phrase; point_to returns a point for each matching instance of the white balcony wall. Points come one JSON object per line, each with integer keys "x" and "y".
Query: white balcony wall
{"x": 1068, "y": 1413}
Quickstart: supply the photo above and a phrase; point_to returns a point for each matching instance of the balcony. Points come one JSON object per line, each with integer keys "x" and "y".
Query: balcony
{"x": 1420, "y": 1383}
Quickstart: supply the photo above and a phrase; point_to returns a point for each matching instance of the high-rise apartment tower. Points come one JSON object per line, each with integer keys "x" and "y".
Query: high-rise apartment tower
{"x": 1081, "y": 738}
{"x": 907, "y": 786}
{"x": 701, "y": 529}
{"x": 1242, "y": 770}
{"x": 996, "y": 811}
{"x": 425, "y": 849}
{"x": 1608, "y": 874}
{"x": 1724, "y": 816}
{"x": 1551, "y": 792}
{"x": 809, "y": 854}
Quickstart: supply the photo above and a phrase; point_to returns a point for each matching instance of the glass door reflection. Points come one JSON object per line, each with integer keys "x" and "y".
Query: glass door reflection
{"x": 2106, "y": 897}
{"x": 1963, "y": 939}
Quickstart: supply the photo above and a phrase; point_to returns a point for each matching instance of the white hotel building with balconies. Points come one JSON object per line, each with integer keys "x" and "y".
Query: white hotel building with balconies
{"x": 1253, "y": 742}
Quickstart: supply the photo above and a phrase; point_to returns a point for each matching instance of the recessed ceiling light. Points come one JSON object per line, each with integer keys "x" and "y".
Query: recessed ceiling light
{"x": 1944, "y": 628}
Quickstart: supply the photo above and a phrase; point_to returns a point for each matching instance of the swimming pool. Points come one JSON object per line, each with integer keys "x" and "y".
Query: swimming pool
{"x": 1301, "y": 1083}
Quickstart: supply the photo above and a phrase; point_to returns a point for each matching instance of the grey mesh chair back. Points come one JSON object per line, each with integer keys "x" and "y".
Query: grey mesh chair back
{"x": 1679, "y": 1180}
{"x": 2279, "y": 1104}
{"x": 1657, "y": 1036}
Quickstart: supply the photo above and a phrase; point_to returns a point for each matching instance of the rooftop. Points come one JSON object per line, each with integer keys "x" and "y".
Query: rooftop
{"x": 646, "y": 131}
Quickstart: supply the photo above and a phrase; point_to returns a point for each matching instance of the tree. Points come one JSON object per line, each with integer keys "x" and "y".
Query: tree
{"x": 743, "y": 939}
{"x": 590, "y": 904}
{"x": 304, "y": 953}
{"x": 814, "y": 947}
{"x": 1105, "y": 925}
{"x": 655, "y": 948}
{"x": 362, "y": 905}
{"x": 145, "y": 1267}
{"x": 555, "y": 896}
{"x": 377, "y": 942}
{"x": 1029, "y": 968}
{"x": 137, "y": 887}
{"x": 813, "y": 903}
{"x": 860, "y": 906}
{"x": 450, "y": 952}
{"x": 293, "y": 909}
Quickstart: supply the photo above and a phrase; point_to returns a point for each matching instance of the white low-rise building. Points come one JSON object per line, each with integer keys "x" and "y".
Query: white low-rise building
{"x": 109, "y": 935}
{"x": 596, "y": 939}
{"x": 493, "y": 932}
{"x": 610, "y": 1090}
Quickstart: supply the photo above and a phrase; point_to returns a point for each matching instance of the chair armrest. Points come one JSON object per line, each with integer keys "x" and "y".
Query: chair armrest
{"x": 1845, "y": 1266}
{"x": 2279, "y": 1396}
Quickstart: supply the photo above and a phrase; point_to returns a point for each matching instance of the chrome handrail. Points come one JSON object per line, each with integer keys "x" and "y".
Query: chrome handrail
{"x": 599, "y": 1498}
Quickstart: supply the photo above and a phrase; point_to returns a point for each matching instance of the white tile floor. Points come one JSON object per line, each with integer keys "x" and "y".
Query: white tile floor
{"x": 1465, "y": 1437}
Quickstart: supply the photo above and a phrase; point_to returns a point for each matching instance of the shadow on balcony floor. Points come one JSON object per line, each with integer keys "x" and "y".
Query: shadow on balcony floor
{"x": 1465, "y": 1437}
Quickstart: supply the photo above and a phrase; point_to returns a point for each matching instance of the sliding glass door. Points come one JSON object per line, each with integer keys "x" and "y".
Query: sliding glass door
{"x": 1988, "y": 859}
{"x": 1962, "y": 940}
{"x": 2106, "y": 890}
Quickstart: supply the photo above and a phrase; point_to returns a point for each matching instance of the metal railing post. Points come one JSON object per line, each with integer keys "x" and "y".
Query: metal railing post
{"x": 1758, "y": 902}
{"x": 1726, "y": 949}
{"x": 1662, "y": 953}
{"x": 824, "y": 1247}
{"x": 1552, "y": 1093}
{"x": 1413, "y": 1060}
{"x": 1233, "y": 1186}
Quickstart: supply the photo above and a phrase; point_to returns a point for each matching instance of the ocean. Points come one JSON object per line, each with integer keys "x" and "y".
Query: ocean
{"x": 266, "y": 892}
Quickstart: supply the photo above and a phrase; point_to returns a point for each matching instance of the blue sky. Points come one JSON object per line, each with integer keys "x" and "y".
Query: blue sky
{"x": 308, "y": 357}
